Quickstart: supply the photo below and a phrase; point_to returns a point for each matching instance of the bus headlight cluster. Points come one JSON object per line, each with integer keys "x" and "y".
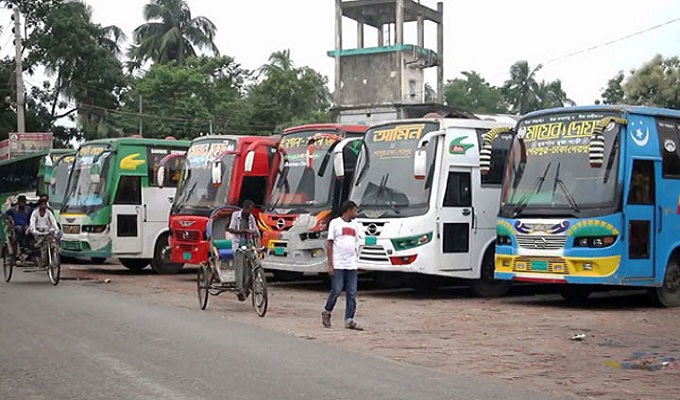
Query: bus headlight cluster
{"x": 594, "y": 241}
{"x": 94, "y": 228}
{"x": 503, "y": 240}
{"x": 411, "y": 241}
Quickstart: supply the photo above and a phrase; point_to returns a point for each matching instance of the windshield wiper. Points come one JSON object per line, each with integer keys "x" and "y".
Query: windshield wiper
{"x": 570, "y": 198}
{"x": 524, "y": 200}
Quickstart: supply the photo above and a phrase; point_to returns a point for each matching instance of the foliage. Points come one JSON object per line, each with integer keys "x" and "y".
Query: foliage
{"x": 183, "y": 100}
{"x": 286, "y": 94}
{"x": 474, "y": 94}
{"x": 171, "y": 34}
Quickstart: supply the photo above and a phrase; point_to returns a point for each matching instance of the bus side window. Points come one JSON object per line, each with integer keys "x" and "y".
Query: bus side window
{"x": 458, "y": 190}
{"x": 669, "y": 135}
{"x": 129, "y": 190}
{"x": 642, "y": 183}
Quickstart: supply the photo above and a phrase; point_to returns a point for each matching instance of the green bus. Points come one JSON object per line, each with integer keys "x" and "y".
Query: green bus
{"x": 114, "y": 206}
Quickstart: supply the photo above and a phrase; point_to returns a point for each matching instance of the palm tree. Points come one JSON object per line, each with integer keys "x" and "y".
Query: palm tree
{"x": 171, "y": 34}
{"x": 521, "y": 89}
{"x": 551, "y": 95}
{"x": 279, "y": 62}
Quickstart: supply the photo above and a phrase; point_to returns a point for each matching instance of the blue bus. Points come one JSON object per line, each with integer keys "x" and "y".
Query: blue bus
{"x": 591, "y": 196}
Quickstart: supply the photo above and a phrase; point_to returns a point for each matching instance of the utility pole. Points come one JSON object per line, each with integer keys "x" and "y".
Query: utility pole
{"x": 18, "y": 72}
{"x": 141, "y": 127}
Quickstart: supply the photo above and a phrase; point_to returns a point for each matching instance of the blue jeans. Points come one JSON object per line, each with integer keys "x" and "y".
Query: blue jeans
{"x": 344, "y": 279}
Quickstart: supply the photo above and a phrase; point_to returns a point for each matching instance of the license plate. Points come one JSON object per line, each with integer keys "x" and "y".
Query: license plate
{"x": 279, "y": 251}
{"x": 186, "y": 255}
{"x": 370, "y": 240}
{"x": 539, "y": 265}
{"x": 66, "y": 245}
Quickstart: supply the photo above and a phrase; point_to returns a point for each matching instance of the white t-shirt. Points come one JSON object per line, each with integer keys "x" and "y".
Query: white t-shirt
{"x": 344, "y": 237}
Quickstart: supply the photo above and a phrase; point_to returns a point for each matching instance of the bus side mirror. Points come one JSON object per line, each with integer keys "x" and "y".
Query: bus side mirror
{"x": 420, "y": 164}
{"x": 160, "y": 176}
{"x": 339, "y": 165}
{"x": 217, "y": 172}
{"x": 250, "y": 160}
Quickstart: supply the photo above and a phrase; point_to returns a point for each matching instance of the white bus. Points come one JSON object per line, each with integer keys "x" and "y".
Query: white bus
{"x": 424, "y": 205}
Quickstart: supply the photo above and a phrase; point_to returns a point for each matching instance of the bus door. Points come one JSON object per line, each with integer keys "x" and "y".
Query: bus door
{"x": 126, "y": 216}
{"x": 455, "y": 219}
{"x": 640, "y": 217}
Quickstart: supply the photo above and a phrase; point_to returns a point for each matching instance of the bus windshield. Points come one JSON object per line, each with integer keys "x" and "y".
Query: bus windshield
{"x": 549, "y": 173}
{"x": 384, "y": 185}
{"x": 83, "y": 194}
{"x": 60, "y": 174}
{"x": 300, "y": 187}
{"x": 197, "y": 192}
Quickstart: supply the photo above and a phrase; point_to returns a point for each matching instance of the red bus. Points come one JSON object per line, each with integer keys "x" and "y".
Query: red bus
{"x": 304, "y": 198}
{"x": 213, "y": 177}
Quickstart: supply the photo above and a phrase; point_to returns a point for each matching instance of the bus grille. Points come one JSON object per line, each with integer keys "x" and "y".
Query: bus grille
{"x": 536, "y": 242}
{"x": 373, "y": 254}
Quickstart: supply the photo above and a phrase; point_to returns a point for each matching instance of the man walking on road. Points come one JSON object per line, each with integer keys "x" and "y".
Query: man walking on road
{"x": 342, "y": 264}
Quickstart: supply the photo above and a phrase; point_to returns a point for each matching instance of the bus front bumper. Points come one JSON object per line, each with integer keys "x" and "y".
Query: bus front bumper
{"x": 594, "y": 270}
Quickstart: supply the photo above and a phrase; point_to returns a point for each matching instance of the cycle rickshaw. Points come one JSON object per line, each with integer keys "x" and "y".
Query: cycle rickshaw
{"x": 226, "y": 270}
{"x": 42, "y": 253}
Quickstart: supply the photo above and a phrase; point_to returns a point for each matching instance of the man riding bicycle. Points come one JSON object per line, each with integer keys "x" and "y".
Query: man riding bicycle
{"x": 42, "y": 220}
{"x": 20, "y": 214}
{"x": 244, "y": 229}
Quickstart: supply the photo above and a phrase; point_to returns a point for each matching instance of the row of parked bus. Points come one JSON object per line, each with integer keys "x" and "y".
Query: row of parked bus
{"x": 584, "y": 196}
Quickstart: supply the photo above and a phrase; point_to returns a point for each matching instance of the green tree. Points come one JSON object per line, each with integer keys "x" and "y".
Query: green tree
{"x": 185, "y": 100}
{"x": 80, "y": 55}
{"x": 656, "y": 83}
{"x": 474, "y": 94}
{"x": 614, "y": 93}
{"x": 171, "y": 34}
{"x": 285, "y": 94}
{"x": 521, "y": 89}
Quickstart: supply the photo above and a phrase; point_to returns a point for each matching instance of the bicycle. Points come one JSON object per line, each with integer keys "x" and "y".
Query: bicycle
{"x": 226, "y": 270}
{"x": 42, "y": 254}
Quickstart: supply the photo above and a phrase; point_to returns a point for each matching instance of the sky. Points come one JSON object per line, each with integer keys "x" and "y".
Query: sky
{"x": 487, "y": 36}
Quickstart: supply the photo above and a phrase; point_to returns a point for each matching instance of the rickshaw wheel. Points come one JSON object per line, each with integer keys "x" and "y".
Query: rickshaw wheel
{"x": 260, "y": 298}
{"x": 8, "y": 262}
{"x": 54, "y": 267}
{"x": 203, "y": 284}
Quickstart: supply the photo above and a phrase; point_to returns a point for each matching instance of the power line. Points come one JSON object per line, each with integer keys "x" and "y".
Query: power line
{"x": 612, "y": 41}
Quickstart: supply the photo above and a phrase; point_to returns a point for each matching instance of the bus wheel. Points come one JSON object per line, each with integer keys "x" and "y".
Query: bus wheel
{"x": 575, "y": 294}
{"x": 98, "y": 260}
{"x": 160, "y": 263}
{"x": 487, "y": 286}
{"x": 134, "y": 264}
{"x": 668, "y": 295}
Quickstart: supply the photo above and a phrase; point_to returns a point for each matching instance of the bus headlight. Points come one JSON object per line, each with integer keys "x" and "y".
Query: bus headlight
{"x": 503, "y": 240}
{"x": 594, "y": 241}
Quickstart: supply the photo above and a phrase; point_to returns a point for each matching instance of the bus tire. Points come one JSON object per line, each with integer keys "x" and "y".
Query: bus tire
{"x": 668, "y": 295}
{"x": 487, "y": 286}
{"x": 159, "y": 263}
{"x": 134, "y": 264}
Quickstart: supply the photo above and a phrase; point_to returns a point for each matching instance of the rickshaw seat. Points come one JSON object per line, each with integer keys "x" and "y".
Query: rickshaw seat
{"x": 224, "y": 249}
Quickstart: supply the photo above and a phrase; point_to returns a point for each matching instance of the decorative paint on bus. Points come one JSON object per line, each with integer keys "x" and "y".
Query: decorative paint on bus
{"x": 114, "y": 205}
{"x": 425, "y": 208}
{"x": 199, "y": 192}
{"x": 590, "y": 197}
{"x": 305, "y": 196}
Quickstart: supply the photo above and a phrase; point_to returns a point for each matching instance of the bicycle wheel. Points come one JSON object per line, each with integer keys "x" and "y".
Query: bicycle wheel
{"x": 260, "y": 298}
{"x": 8, "y": 261}
{"x": 203, "y": 284}
{"x": 53, "y": 265}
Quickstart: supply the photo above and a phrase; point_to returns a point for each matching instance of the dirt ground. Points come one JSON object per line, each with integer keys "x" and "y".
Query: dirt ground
{"x": 631, "y": 350}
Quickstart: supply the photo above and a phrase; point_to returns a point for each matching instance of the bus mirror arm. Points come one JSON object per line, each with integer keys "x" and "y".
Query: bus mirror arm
{"x": 338, "y": 160}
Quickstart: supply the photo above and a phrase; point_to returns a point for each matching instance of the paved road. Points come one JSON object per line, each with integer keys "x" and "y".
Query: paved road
{"x": 76, "y": 341}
